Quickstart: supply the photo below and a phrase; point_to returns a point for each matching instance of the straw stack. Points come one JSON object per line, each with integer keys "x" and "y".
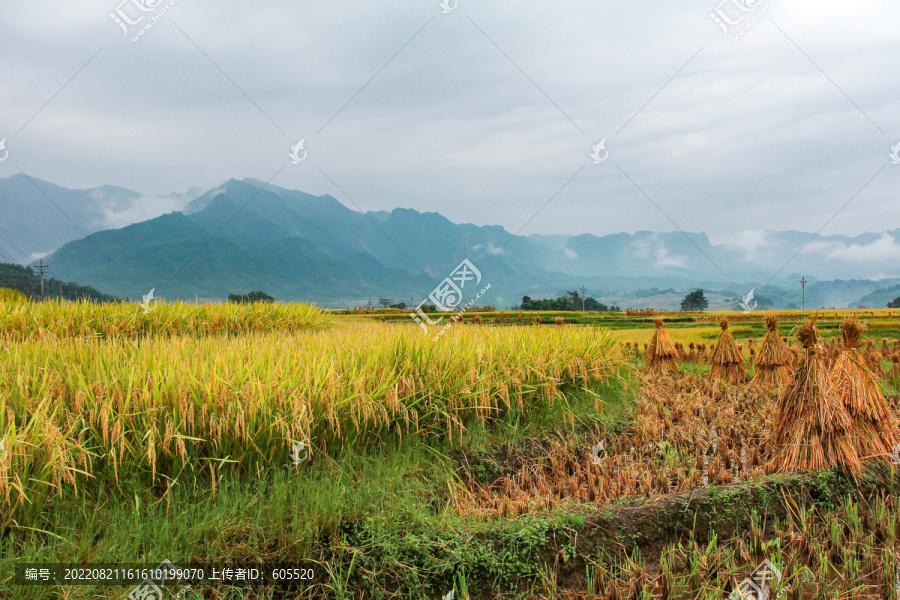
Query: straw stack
{"x": 860, "y": 391}
{"x": 727, "y": 359}
{"x": 774, "y": 363}
{"x": 661, "y": 354}
{"x": 813, "y": 430}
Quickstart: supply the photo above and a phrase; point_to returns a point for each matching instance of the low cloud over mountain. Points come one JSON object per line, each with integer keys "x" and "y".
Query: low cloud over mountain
{"x": 244, "y": 234}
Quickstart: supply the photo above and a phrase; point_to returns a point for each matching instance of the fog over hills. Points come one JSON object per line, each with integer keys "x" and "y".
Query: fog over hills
{"x": 246, "y": 235}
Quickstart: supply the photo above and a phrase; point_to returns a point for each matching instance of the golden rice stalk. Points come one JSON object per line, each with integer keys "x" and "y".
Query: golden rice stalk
{"x": 859, "y": 390}
{"x": 813, "y": 430}
{"x": 727, "y": 359}
{"x": 165, "y": 403}
{"x": 661, "y": 354}
{"x": 774, "y": 363}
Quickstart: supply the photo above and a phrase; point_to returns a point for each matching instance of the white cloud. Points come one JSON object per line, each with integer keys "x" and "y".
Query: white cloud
{"x": 665, "y": 259}
{"x": 884, "y": 248}
{"x": 654, "y": 248}
{"x": 37, "y": 256}
{"x": 120, "y": 212}
{"x": 568, "y": 253}
{"x": 748, "y": 241}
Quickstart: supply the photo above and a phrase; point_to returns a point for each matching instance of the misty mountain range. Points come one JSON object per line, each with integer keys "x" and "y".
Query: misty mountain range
{"x": 244, "y": 236}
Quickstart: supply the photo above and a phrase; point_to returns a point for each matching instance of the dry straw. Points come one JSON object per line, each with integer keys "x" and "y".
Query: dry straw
{"x": 859, "y": 390}
{"x": 727, "y": 359}
{"x": 813, "y": 430}
{"x": 774, "y": 363}
{"x": 661, "y": 354}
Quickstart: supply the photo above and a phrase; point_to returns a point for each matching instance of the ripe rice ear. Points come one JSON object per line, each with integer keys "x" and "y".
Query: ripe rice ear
{"x": 727, "y": 359}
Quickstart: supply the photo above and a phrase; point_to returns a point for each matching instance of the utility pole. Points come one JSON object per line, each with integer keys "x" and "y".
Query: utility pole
{"x": 43, "y": 269}
{"x": 583, "y": 291}
{"x": 803, "y": 284}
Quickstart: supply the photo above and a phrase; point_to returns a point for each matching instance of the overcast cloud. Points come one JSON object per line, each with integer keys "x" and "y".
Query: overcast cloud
{"x": 748, "y": 136}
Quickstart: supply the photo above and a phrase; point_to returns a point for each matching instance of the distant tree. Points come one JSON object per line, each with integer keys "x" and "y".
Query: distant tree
{"x": 400, "y": 305}
{"x": 258, "y": 296}
{"x": 17, "y": 277}
{"x": 895, "y": 303}
{"x": 384, "y": 302}
{"x": 575, "y": 298}
{"x": 591, "y": 304}
{"x": 695, "y": 300}
{"x": 571, "y": 301}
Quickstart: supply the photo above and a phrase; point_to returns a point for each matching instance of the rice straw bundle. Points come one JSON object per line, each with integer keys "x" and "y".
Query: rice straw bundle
{"x": 860, "y": 391}
{"x": 727, "y": 359}
{"x": 813, "y": 427}
{"x": 774, "y": 363}
{"x": 661, "y": 354}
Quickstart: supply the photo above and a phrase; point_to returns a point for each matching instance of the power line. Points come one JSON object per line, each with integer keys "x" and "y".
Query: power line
{"x": 12, "y": 243}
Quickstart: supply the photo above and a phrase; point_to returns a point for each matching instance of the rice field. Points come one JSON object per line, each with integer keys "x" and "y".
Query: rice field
{"x": 73, "y": 408}
{"x": 469, "y": 463}
{"x": 62, "y": 319}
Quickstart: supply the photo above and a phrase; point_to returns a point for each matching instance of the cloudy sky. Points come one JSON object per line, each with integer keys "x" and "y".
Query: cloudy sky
{"x": 485, "y": 113}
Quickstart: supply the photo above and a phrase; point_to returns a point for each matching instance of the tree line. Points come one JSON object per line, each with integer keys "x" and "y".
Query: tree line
{"x": 570, "y": 301}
